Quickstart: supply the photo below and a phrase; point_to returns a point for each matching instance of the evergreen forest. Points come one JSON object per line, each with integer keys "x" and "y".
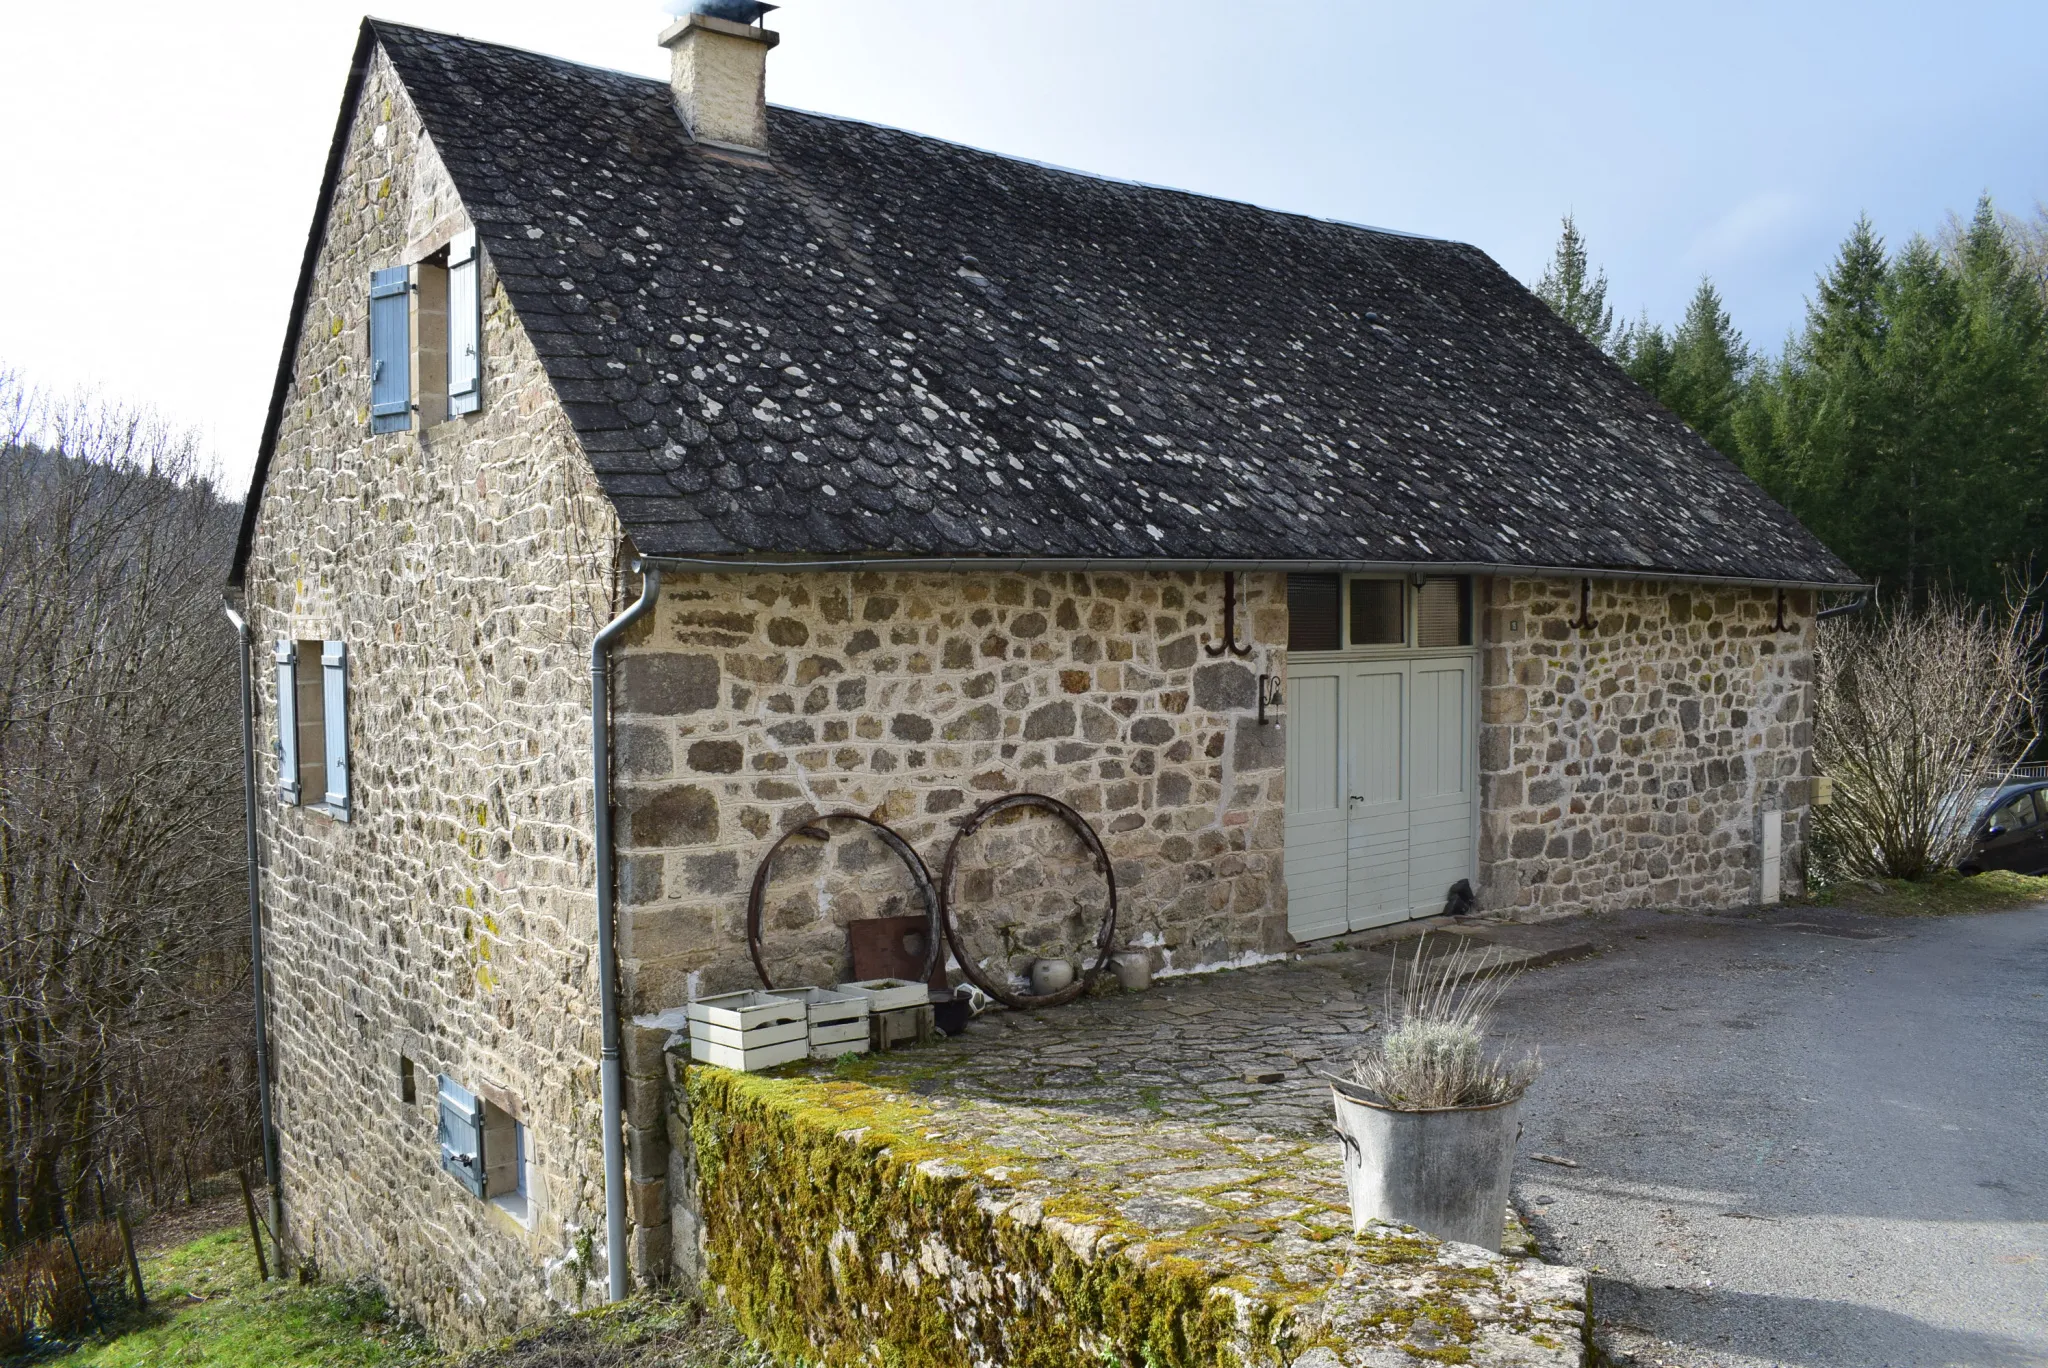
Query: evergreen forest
{"x": 1905, "y": 422}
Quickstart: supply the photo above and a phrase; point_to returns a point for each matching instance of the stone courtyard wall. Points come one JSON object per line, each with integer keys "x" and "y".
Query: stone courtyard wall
{"x": 451, "y": 922}
{"x": 849, "y": 1221}
{"x": 1628, "y": 764}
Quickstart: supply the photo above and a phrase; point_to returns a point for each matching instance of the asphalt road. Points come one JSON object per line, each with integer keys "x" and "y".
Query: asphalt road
{"x": 1819, "y": 1145}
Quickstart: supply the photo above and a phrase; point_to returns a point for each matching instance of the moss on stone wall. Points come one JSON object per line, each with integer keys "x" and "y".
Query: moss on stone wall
{"x": 847, "y": 1223}
{"x": 838, "y": 1233}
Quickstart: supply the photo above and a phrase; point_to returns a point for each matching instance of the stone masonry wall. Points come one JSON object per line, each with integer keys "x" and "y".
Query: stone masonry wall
{"x": 1627, "y": 765}
{"x": 747, "y": 706}
{"x": 451, "y": 922}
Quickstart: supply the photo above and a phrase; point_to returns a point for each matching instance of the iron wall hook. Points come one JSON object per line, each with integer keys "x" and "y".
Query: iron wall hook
{"x": 1584, "y": 621}
{"x": 1229, "y": 643}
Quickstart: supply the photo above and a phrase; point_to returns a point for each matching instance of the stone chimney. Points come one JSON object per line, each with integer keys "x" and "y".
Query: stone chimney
{"x": 719, "y": 73}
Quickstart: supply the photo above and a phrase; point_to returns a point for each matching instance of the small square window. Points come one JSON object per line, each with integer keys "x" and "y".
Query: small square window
{"x": 1379, "y": 612}
{"x": 505, "y": 1160}
{"x": 1315, "y": 613}
{"x": 483, "y": 1146}
{"x": 312, "y": 718}
{"x": 1443, "y": 612}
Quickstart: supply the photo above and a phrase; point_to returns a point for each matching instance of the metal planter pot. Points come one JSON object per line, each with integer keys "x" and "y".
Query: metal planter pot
{"x": 1444, "y": 1172}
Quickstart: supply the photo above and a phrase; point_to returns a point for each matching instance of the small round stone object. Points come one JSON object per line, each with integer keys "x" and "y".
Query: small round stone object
{"x": 1049, "y": 976}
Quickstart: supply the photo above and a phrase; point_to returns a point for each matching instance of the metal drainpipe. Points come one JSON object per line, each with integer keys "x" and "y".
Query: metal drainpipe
{"x": 269, "y": 1136}
{"x": 1855, "y": 605}
{"x": 607, "y": 959}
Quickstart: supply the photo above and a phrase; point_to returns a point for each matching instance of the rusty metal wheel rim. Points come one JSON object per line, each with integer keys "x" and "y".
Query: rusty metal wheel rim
{"x": 920, "y": 875}
{"x": 1105, "y": 938}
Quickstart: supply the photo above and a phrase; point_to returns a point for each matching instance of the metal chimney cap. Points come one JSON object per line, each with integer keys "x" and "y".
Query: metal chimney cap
{"x": 732, "y": 11}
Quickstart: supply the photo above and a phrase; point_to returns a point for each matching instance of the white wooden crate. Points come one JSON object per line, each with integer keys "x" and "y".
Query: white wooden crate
{"x": 747, "y": 1011}
{"x": 779, "y": 1034}
{"x": 838, "y": 1020}
{"x": 752, "y": 1059}
{"x": 749, "y": 1031}
{"x": 827, "y": 1006}
{"x": 889, "y": 994}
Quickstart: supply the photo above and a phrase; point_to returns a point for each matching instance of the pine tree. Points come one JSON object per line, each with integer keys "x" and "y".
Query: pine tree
{"x": 1578, "y": 298}
{"x": 1643, "y": 349}
{"x": 1907, "y": 425}
{"x": 1709, "y": 362}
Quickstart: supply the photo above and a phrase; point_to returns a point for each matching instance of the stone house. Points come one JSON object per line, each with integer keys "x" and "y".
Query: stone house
{"x": 1320, "y": 567}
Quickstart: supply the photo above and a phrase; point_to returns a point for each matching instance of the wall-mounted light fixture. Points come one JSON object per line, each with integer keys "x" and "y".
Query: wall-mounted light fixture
{"x": 1272, "y": 694}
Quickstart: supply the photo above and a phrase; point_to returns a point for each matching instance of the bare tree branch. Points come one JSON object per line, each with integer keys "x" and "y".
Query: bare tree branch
{"x": 121, "y": 951}
{"x": 1920, "y": 708}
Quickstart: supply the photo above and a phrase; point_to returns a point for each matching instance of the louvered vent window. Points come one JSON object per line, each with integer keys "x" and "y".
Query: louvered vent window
{"x": 1315, "y": 613}
{"x": 1443, "y": 612}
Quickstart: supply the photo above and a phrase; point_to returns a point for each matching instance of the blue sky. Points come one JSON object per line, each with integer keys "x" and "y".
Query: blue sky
{"x": 159, "y": 161}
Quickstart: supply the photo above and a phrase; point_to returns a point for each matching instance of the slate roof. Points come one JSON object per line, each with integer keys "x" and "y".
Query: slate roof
{"x": 884, "y": 343}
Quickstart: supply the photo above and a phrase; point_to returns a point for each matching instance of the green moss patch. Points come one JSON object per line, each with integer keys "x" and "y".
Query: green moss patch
{"x": 850, "y": 1223}
{"x": 1941, "y": 895}
{"x": 841, "y": 1230}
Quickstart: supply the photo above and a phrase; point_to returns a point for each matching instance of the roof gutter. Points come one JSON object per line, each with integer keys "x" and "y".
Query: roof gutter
{"x": 1855, "y": 605}
{"x": 1106, "y": 564}
{"x": 611, "y": 1101}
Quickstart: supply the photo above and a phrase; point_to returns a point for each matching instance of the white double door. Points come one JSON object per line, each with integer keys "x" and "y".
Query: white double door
{"x": 1380, "y": 785}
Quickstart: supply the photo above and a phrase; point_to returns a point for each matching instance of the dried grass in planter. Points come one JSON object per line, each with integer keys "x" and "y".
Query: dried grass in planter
{"x": 1433, "y": 1055}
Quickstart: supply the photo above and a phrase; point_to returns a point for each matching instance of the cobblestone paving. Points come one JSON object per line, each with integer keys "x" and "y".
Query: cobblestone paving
{"x": 1199, "y": 1098}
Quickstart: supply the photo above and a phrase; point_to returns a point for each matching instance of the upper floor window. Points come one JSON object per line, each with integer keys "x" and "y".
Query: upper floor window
{"x": 426, "y": 339}
{"x": 312, "y": 726}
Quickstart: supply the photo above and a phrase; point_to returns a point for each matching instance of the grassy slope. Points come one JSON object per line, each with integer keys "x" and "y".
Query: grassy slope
{"x": 1943, "y": 895}
{"x": 211, "y": 1312}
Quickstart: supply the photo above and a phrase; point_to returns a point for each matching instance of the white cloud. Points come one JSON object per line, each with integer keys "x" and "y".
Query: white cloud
{"x": 1749, "y": 230}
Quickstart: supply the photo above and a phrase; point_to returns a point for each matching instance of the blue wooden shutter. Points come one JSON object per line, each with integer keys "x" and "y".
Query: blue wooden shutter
{"x": 465, "y": 326}
{"x": 334, "y": 704}
{"x": 391, "y": 349}
{"x": 288, "y": 722}
{"x": 462, "y": 1135}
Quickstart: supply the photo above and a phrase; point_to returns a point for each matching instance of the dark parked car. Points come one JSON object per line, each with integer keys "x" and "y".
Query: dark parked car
{"x": 2011, "y": 832}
